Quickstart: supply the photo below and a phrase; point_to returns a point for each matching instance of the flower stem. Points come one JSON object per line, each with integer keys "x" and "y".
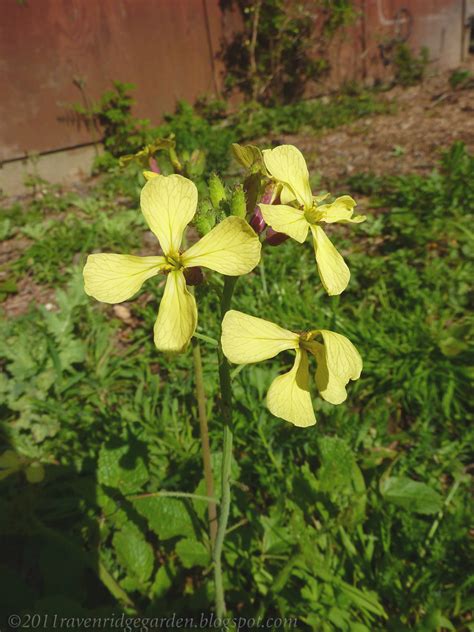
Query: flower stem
{"x": 226, "y": 411}
{"x": 166, "y": 494}
{"x": 205, "y": 338}
{"x": 205, "y": 445}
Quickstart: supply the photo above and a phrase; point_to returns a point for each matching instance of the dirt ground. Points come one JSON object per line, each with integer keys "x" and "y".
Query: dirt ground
{"x": 428, "y": 118}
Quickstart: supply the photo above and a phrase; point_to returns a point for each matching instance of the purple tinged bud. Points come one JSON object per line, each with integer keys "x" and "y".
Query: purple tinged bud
{"x": 193, "y": 276}
{"x": 257, "y": 222}
{"x": 153, "y": 165}
{"x": 267, "y": 196}
{"x": 275, "y": 239}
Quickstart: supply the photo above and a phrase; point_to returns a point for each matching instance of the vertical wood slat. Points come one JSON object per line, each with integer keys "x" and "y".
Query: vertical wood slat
{"x": 163, "y": 46}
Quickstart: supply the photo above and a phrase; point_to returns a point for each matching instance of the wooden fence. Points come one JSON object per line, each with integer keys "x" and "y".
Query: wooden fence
{"x": 170, "y": 50}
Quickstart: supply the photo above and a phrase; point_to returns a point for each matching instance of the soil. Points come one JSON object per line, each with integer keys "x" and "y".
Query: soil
{"x": 28, "y": 292}
{"x": 427, "y": 119}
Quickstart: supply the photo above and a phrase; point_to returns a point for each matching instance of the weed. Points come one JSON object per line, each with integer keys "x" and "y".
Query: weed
{"x": 461, "y": 78}
{"x": 209, "y": 129}
{"x": 409, "y": 68}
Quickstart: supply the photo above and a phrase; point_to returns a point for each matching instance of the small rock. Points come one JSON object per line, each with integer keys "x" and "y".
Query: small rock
{"x": 123, "y": 313}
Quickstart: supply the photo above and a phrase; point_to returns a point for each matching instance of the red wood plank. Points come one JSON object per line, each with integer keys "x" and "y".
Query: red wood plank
{"x": 162, "y": 46}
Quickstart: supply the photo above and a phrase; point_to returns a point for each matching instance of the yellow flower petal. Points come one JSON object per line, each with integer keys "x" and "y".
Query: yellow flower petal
{"x": 115, "y": 278}
{"x": 231, "y": 248}
{"x": 286, "y": 219}
{"x": 288, "y": 166}
{"x": 169, "y": 204}
{"x": 338, "y": 362}
{"x": 177, "y": 316}
{"x": 286, "y": 195}
{"x": 289, "y": 397}
{"x": 332, "y": 268}
{"x": 341, "y": 210}
{"x": 247, "y": 339}
{"x": 320, "y": 198}
{"x": 148, "y": 175}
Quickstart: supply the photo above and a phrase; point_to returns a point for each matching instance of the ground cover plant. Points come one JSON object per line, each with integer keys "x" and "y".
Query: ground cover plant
{"x": 357, "y": 523}
{"x": 205, "y": 131}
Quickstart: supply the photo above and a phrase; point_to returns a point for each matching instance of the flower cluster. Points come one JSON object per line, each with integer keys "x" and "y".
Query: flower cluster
{"x": 246, "y": 339}
{"x": 300, "y": 212}
{"x": 169, "y": 204}
{"x": 233, "y": 248}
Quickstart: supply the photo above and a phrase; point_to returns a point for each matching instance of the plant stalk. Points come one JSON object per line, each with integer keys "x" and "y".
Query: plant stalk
{"x": 166, "y": 494}
{"x": 205, "y": 445}
{"x": 226, "y": 411}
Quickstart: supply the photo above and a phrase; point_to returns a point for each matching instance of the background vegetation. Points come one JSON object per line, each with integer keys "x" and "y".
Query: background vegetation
{"x": 358, "y": 524}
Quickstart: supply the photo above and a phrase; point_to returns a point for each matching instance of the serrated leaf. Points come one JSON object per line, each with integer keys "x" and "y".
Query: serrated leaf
{"x": 112, "y": 512}
{"x": 192, "y": 553}
{"x": 133, "y": 552}
{"x": 122, "y": 467}
{"x": 276, "y": 536}
{"x": 167, "y": 517}
{"x": 411, "y": 495}
{"x": 163, "y": 580}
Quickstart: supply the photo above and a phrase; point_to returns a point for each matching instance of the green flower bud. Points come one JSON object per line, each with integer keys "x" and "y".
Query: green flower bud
{"x": 205, "y": 218}
{"x": 238, "y": 202}
{"x": 216, "y": 190}
{"x": 249, "y": 156}
{"x": 196, "y": 164}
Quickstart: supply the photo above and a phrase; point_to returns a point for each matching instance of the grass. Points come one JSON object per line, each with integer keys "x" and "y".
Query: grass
{"x": 211, "y": 129}
{"x": 357, "y": 524}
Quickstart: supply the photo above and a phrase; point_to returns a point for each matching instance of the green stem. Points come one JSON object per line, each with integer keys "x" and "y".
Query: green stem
{"x": 226, "y": 411}
{"x": 263, "y": 277}
{"x": 207, "y": 339}
{"x": 209, "y": 499}
{"x": 205, "y": 445}
{"x": 114, "y": 588}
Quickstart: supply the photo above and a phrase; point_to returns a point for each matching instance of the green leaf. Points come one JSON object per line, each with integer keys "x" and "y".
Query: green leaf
{"x": 249, "y": 156}
{"x": 163, "y": 580}
{"x": 338, "y": 617}
{"x": 167, "y": 517}
{"x": 337, "y": 464}
{"x": 8, "y": 286}
{"x": 34, "y": 473}
{"x": 122, "y": 468}
{"x": 411, "y": 495}
{"x": 365, "y": 600}
{"x": 133, "y": 552}
{"x": 112, "y": 512}
{"x": 9, "y": 459}
{"x": 192, "y": 553}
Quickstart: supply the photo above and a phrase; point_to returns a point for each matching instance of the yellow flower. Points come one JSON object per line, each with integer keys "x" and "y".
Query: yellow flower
{"x": 247, "y": 339}
{"x": 169, "y": 204}
{"x": 300, "y": 211}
